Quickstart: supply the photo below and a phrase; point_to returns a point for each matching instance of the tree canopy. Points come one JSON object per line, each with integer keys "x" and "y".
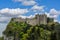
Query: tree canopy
{"x": 24, "y": 31}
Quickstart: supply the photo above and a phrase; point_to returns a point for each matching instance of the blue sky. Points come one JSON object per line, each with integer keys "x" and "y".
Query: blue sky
{"x": 27, "y": 8}
{"x": 48, "y": 3}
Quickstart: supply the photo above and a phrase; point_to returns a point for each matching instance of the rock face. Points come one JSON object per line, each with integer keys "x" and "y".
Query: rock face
{"x": 38, "y": 19}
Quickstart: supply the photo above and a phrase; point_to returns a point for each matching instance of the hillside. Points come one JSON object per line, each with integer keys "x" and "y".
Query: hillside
{"x": 24, "y": 31}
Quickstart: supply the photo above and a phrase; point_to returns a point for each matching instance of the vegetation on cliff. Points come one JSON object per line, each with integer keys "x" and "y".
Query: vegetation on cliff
{"x": 24, "y": 31}
{"x": 1, "y": 38}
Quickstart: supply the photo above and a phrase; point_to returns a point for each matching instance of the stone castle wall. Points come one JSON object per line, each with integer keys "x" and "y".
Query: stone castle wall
{"x": 38, "y": 19}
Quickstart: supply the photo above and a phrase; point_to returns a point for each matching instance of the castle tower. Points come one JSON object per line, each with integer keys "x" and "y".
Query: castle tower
{"x": 41, "y": 19}
{"x": 38, "y": 19}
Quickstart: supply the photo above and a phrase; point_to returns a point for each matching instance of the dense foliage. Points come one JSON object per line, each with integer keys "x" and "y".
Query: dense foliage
{"x": 24, "y": 31}
{"x": 1, "y": 38}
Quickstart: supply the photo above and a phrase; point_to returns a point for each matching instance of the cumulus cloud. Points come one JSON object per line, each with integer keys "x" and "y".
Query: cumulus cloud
{"x": 55, "y": 20}
{"x": 59, "y": 21}
{"x": 37, "y": 8}
{"x": 31, "y": 16}
{"x": 54, "y": 12}
{"x": 2, "y": 28}
{"x": 29, "y": 3}
{"x": 13, "y": 12}
{"x": 4, "y": 19}
{"x": 51, "y": 16}
{"x": 22, "y": 16}
{"x": 26, "y": 2}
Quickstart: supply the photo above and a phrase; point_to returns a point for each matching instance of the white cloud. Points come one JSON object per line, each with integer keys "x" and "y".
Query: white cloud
{"x": 29, "y": 3}
{"x": 2, "y": 28}
{"x": 4, "y": 19}
{"x": 22, "y": 16}
{"x": 13, "y": 12}
{"x": 51, "y": 16}
{"x": 59, "y": 21}
{"x": 55, "y": 20}
{"x": 37, "y": 8}
{"x": 54, "y": 12}
{"x": 26, "y": 2}
{"x": 31, "y": 16}
{"x": 3, "y": 23}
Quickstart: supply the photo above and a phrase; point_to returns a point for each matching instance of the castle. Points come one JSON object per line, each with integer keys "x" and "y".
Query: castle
{"x": 38, "y": 19}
